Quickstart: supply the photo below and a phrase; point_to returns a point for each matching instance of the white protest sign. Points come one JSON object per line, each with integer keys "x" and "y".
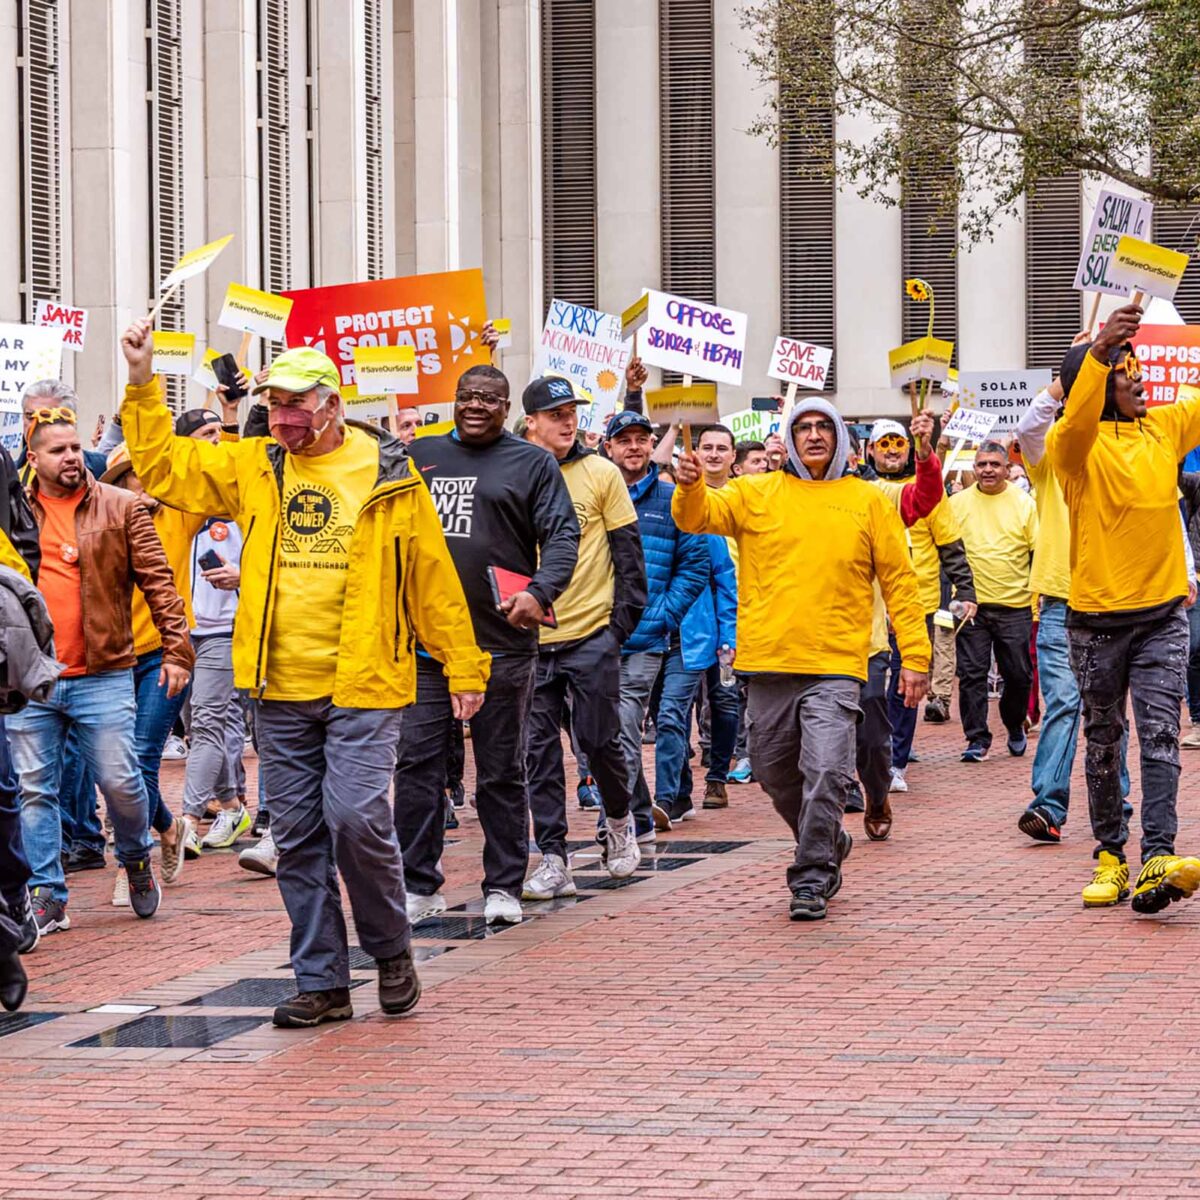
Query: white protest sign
{"x": 969, "y": 425}
{"x": 27, "y": 353}
{"x": 1004, "y": 394}
{"x": 72, "y": 321}
{"x": 750, "y": 424}
{"x": 194, "y": 262}
{"x": 589, "y": 419}
{"x": 251, "y": 311}
{"x": 800, "y": 363}
{"x": 693, "y": 338}
{"x": 1115, "y": 216}
{"x": 583, "y": 345}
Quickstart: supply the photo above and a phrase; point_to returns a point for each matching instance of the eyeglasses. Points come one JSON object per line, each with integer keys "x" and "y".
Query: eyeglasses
{"x": 1130, "y": 365}
{"x": 807, "y": 427}
{"x": 49, "y": 416}
{"x": 485, "y": 399}
{"x": 891, "y": 441}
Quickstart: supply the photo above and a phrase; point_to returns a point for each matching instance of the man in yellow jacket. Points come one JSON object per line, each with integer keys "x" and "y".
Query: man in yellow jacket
{"x": 1126, "y": 626}
{"x": 343, "y": 565}
{"x": 811, "y": 541}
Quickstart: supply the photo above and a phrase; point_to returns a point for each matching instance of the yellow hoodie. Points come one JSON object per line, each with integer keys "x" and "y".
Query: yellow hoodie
{"x": 808, "y": 554}
{"x": 1118, "y": 480}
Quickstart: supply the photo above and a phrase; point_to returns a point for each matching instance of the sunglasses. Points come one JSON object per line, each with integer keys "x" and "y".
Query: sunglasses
{"x": 1130, "y": 366}
{"x": 49, "y": 416}
{"x": 891, "y": 441}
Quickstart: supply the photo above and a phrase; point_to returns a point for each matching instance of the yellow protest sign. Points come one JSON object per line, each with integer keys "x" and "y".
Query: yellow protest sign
{"x": 503, "y": 326}
{"x": 251, "y": 311}
{"x": 195, "y": 262}
{"x": 1145, "y": 267}
{"x": 634, "y": 317}
{"x": 435, "y": 429}
{"x": 173, "y": 353}
{"x": 696, "y": 404}
{"x": 386, "y": 370}
{"x": 205, "y": 376}
{"x": 359, "y": 404}
{"x": 924, "y": 358}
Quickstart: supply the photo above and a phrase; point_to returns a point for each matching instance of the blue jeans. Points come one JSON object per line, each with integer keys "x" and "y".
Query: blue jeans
{"x": 103, "y": 709}
{"x": 156, "y": 717}
{"x": 672, "y": 776}
{"x": 1059, "y": 734}
{"x": 14, "y": 866}
{"x": 77, "y": 799}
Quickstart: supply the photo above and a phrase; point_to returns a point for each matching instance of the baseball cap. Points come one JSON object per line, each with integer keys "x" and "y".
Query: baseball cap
{"x": 195, "y": 418}
{"x": 627, "y": 420}
{"x": 548, "y": 392}
{"x": 299, "y": 369}
{"x": 880, "y": 428}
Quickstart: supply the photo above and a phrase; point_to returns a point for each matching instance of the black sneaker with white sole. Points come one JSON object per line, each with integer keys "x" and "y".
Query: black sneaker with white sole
{"x": 399, "y": 987}
{"x": 20, "y": 910}
{"x": 144, "y": 892}
{"x": 262, "y": 822}
{"x": 807, "y": 905}
{"x": 1039, "y": 823}
{"x": 50, "y": 914}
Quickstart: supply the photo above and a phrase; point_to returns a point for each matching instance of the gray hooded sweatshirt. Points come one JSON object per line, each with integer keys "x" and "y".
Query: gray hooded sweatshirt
{"x": 841, "y": 449}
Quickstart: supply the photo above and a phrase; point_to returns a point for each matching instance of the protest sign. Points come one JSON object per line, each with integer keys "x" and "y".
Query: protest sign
{"x": 1115, "y": 216}
{"x": 503, "y": 326}
{"x": 969, "y": 425}
{"x": 1170, "y": 358}
{"x": 359, "y": 406}
{"x": 440, "y": 316}
{"x": 385, "y": 370}
{"x": 634, "y": 317}
{"x": 204, "y": 374}
{"x": 194, "y": 262}
{"x": 1004, "y": 394}
{"x": 924, "y": 358}
{"x": 585, "y": 346}
{"x": 434, "y": 429}
{"x": 752, "y": 424}
{"x": 27, "y": 353}
{"x": 250, "y": 311}
{"x": 800, "y": 363}
{"x": 173, "y": 353}
{"x": 72, "y": 321}
{"x": 1145, "y": 267}
{"x": 683, "y": 405}
{"x": 695, "y": 339}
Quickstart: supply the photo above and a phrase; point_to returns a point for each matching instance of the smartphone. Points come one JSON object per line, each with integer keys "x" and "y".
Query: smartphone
{"x": 210, "y": 560}
{"x": 228, "y": 374}
{"x": 761, "y": 403}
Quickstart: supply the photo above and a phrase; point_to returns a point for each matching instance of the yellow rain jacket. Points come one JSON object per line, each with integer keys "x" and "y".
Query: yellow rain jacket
{"x": 402, "y": 583}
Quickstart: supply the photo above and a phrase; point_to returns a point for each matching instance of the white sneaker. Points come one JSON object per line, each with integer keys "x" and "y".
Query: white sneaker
{"x": 502, "y": 907}
{"x": 552, "y": 878}
{"x": 192, "y": 848}
{"x": 622, "y": 852}
{"x": 120, "y": 897}
{"x": 175, "y": 750}
{"x": 899, "y": 783}
{"x": 229, "y": 825}
{"x": 420, "y": 907}
{"x": 262, "y": 857}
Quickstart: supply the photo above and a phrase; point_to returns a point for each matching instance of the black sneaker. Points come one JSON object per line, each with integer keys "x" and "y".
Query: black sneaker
{"x": 311, "y": 1008}
{"x": 144, "y": 892}
{"x": 937, "y": 712}
{"x": 399, "y": 987}
{"x": 262, "y": 822}
{"x": 21, "y": 911}
{"x": 50, "y": 915}
{"x": 14, "y": 983}
{"x": 458, "y": 795}
{"x": 451, "y": 817}
{"x": 84, "y": 858}
{"x": 807, "y": 905}
{"x": 1017, "y": 744}
{"x": 681, "y": 810}
{"x": 845, "y": 844}
{"x": 976, "y": 752}
{"x": 854, "y": 801}
{"x": 1038, "y": 823}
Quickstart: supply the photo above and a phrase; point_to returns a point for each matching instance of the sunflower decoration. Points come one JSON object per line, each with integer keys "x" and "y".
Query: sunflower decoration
{"x": 918, "y": 290}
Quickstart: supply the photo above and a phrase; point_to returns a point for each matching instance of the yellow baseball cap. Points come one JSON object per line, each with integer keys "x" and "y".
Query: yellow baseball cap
{"x": 300, "y": 369}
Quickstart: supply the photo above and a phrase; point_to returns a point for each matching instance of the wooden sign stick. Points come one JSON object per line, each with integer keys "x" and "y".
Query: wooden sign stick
{"x": 687, "y": 427}
{"x": 952, "y": 457}
{"x": 393, "y": 414}
{"x": 161, "y": 301}
{"x": 912, "y": 397}
{"x": 1093, "y": 314}
{"x": 244, "y": 349}
{"x": 1138, "y": 297}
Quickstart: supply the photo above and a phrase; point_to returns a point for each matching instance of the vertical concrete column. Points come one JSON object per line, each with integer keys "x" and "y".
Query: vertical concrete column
{"x": 436, "y": 111}
{"x": 404, "y": 137}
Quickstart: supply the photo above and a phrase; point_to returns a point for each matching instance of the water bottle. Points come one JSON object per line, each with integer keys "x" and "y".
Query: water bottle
{"x": 958, "y": 609}
{"x": 725, "y": 658}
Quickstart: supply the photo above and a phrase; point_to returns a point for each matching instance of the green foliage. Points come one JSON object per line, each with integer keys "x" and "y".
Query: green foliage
{"x": 974, "y": 104}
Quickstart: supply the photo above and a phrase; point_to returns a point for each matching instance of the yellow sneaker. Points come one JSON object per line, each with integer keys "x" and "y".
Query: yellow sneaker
{"x": 1110, "y": 882}
{"x": 1163, "y": 880}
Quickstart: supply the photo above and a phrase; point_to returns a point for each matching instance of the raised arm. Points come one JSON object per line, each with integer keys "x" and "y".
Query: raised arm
{"x": 697, "y": 508}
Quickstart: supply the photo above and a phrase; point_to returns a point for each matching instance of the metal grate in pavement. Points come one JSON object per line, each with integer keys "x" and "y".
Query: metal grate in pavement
{"x": 457, "y": 928}
{"x": 665, "y": 862}
{"x": 18, "y": 1022}
{"x": 360, "y": 960}
{"x": 169, "y": 1033}
{"x": 253, "y": 993}
{"x": 700, "y": 847}
{"x": 605, "y": 883}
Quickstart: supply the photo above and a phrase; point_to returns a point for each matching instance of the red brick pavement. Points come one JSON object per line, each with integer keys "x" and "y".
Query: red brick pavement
{"x": 958, "y": 1027}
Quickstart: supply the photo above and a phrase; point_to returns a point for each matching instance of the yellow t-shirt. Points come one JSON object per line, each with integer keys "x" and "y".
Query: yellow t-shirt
{"x": 999, "y": 533}
{"x": 1051, "y": 575}
{"x": 176, "y": 530}
{"x": 321, "y": 501}
{"x": 601, "y": 502}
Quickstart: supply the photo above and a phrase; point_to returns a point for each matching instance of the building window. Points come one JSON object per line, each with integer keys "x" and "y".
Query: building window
{"x": 274, "y": 144}
{"x": 687, "y": 151}
{"x": 1179, "y": 229}
{"x": 373, "y": 85}
{"x": 164, "y": 99}
{"x": 569, "y": 151}
{"x": 41, "y": 153}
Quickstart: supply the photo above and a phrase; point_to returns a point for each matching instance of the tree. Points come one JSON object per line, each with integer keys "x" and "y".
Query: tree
{"x": 973, "y": 104}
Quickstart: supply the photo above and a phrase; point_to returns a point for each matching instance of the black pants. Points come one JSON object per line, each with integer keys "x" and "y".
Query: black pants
{"x": 873, "y": 737}
{"x": 589, "y": 672}
{"x": 456, "y": 756}
{"x": 1006, "y": 632}
{"x": 498, "y": 733}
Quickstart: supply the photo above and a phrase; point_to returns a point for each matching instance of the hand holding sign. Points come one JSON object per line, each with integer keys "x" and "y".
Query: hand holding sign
{"x": 137, "y": 344}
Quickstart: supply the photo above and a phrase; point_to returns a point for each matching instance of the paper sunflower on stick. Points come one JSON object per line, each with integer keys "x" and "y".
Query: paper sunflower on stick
{"x": 922, "y": 292}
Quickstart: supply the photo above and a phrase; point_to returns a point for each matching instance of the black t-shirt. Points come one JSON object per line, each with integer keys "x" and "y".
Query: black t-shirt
{"x": 499, "y": 504}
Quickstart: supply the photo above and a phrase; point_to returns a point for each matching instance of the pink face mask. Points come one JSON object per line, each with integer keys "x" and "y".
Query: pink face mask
{"x": 293, "y": 428}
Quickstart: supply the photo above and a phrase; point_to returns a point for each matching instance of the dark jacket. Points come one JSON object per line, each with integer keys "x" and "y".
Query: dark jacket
{"x": 118, "y": 547}
{"x": 28, "y": 669}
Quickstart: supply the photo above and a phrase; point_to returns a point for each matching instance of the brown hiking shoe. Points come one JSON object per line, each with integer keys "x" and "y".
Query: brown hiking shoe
{"x": 715, "y": 795}
{"x": 399, "y": 987}
{"x": 311, "y": 1008}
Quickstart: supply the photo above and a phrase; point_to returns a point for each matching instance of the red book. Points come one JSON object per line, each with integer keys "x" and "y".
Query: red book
{"x": 509, "y": 583}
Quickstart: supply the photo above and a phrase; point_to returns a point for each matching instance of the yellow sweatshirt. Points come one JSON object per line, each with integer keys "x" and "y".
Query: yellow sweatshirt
{"x": 1118, "y": 481}
{"x": 176, "y": 530}
{"x": 808, "y": 554}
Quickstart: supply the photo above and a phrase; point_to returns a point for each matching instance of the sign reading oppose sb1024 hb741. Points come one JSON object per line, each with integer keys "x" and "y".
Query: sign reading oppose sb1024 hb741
{"x": 440, "y": 316}
{"x": 693, "y": 338}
